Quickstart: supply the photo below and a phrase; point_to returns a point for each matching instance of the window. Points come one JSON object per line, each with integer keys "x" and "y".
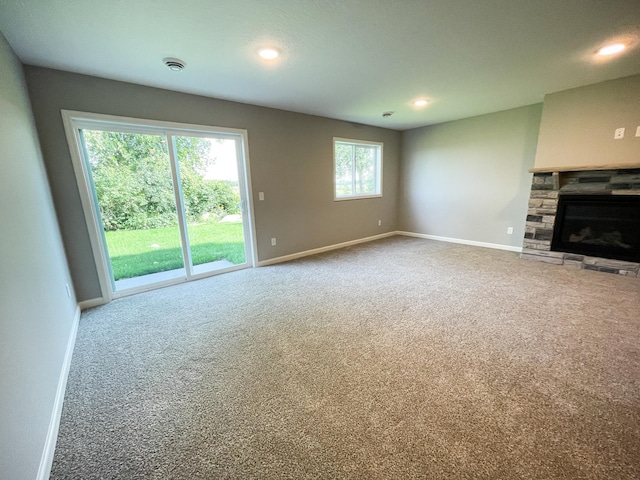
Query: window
{"x": 357, "y": 169}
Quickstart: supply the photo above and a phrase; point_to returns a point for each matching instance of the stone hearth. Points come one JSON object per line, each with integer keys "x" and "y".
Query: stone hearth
{"x": 543, "y": 204}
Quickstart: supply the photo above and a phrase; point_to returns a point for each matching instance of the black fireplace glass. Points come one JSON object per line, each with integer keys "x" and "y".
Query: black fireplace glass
{"x": 606, "y": 226}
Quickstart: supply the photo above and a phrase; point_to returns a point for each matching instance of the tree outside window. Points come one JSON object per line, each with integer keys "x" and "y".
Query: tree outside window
{"x": 358, "y": 169}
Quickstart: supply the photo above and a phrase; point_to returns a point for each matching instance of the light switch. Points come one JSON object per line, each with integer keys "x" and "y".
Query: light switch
{"x": 261, "y": 196}
{"x": 619, "y": 133}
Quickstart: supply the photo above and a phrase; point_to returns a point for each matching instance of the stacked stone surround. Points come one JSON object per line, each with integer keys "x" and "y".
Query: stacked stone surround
{"x": 543, "y": 206}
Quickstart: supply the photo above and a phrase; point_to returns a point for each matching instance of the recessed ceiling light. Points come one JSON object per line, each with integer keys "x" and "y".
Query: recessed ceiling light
{"x": 269, "y": 53}
{"x": 174, "y": 64}
{"x": 612, "y": 49}
{"x": 421, "y": 103}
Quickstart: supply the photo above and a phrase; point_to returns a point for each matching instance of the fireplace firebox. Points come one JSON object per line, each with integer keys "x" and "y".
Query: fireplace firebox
{"x": 606, "y": 226}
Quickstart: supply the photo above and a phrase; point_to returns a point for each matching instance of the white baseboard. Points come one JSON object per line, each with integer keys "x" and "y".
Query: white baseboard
{"x": 93, "y": 302}
{"x": 293, "y": 256}
{"x": 464, "y": 242}
{"x": 315, "y": 251}
{"x": 46, "y": 460}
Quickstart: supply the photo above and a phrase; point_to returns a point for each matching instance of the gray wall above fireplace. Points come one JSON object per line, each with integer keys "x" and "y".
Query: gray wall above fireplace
{"x": 578, "y": 126}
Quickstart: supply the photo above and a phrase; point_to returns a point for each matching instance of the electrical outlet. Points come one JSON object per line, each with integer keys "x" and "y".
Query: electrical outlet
{"x": 379, "y": 223}
{"x": 619, "y": 133}
{"x": 638, "y": 132}
{"x": 261, "y": 196}
{"x": 273, "y": 242}
{"x": 510, "y": 230}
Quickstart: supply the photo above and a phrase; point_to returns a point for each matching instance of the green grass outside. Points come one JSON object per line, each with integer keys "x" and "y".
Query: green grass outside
{"x": 141, "y": 252}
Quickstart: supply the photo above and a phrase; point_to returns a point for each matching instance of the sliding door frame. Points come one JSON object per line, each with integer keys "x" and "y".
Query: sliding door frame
{"x": 75, "y": 121}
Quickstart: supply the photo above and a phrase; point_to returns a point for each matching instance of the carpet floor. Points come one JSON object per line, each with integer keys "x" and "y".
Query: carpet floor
{"x": 401, "y": 358}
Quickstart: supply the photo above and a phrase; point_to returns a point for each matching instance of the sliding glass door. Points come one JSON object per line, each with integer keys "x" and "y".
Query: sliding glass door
{"x": 210, "y": 185}
{"x": 166, "y": 204}
{"x": 132, "y": 181}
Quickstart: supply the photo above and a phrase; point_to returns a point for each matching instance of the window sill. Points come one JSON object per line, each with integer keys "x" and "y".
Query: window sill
{"x": 358, "y": 197}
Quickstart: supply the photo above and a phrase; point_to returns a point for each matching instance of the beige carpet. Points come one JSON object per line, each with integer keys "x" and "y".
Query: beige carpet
{"x": 403, "y": 358}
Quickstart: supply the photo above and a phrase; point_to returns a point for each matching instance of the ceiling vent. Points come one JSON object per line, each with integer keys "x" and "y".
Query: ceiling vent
{"x": 174, "y": 64}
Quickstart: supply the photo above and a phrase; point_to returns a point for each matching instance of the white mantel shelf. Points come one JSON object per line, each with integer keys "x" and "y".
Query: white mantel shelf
{"x": 580, "y": 168}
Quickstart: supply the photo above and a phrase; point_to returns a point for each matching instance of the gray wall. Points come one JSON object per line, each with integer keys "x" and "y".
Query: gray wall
{"x": 36, "y": 315}
{"x": 291, "y": 162}
{"x": 469, "y": 179}
{"x": 578, "y": 125}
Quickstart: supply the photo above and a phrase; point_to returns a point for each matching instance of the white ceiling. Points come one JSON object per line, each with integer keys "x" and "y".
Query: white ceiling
{"x": 345, "y": 59}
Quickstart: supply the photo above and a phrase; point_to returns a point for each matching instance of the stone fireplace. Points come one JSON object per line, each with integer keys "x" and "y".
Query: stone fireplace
{"x": 605, "y": 238}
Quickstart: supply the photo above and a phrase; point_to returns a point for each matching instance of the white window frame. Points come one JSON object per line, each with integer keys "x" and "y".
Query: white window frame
{"x": 378, "y": 169}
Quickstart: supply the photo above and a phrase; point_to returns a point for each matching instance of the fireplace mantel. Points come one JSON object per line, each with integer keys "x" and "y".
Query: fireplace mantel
{"x": 583, "y": 168}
